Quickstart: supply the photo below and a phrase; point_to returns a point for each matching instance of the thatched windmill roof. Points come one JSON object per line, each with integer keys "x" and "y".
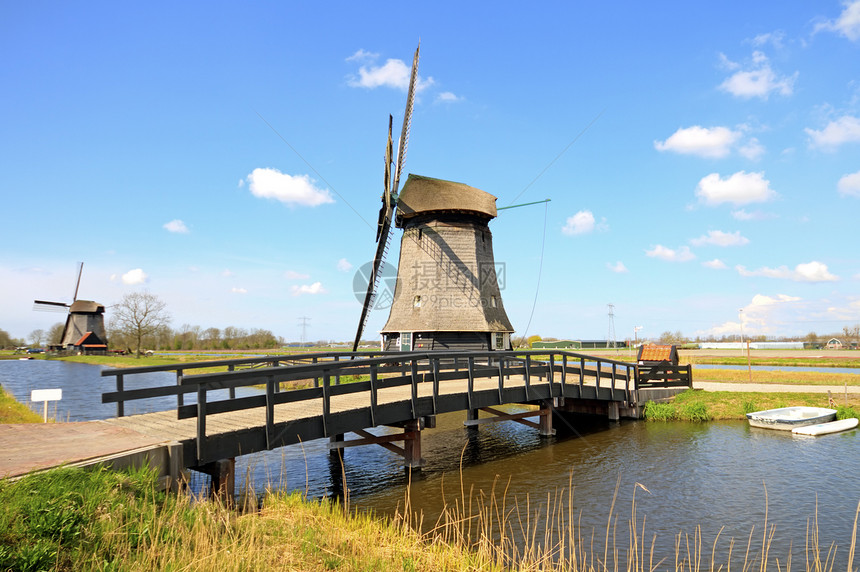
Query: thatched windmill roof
{"x": 422, "y": 195}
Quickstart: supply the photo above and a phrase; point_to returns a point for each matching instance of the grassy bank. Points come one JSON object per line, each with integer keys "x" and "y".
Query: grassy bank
{"x": 780, "y": 377}
{"x": 13, "y": 412}
{"x": 698, "y": 405}
{"x": 69, "y": 519}
{"x": 775, "y": 361}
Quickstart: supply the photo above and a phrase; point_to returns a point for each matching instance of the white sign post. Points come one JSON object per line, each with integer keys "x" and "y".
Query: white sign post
{"x": 46, "y": 395}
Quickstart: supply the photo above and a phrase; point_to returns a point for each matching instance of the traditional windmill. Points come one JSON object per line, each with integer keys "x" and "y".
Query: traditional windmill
{"x": 85, "y": 323}
{"x": 447, "y": 293}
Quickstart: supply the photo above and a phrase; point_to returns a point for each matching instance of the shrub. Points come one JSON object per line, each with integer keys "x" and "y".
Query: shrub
{"x": 749, "y": 407}
{"x": 659, "y": 411}
{"x": 845, "y": 412}
{"x": 696, "y": 411}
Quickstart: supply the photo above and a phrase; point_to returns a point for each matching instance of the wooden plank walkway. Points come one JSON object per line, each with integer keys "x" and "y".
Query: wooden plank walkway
{"x": 165, "y": 426}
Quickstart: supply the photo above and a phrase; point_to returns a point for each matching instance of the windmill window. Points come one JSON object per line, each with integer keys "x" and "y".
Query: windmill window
{"x": 492, "y": 301}
{"x": 499, "y": 341}
{"x": 420, "y": 233}
{"x": 417, "y": 302}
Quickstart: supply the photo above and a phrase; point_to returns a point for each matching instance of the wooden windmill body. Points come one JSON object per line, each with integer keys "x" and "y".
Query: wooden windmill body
{"x": 84, "y": 330}
{"x": 447, "y": 292}
{"x": 447, "y": 295}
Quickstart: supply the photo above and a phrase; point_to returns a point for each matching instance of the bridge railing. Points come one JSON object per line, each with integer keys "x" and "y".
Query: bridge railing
{"x": 370, "y": 372}
{"x": 665, "y": 374}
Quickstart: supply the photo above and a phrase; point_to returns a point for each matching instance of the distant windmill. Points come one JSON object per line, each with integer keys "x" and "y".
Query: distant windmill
{"x": 85, "y": 323}
{"x": 447, "y": 292}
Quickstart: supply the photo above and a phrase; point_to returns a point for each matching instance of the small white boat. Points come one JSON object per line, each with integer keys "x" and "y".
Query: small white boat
{"x": 787, "y": 418}
{"x": 827, "y": 428}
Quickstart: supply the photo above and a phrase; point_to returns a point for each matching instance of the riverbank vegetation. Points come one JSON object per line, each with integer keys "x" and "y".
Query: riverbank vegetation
{"x": 697, "y": 405}
{"x": 800, "y": 361}
{"x": 779, "y": 377}
{"x": 13, "y": 412}
{"x": 70, "y": 519}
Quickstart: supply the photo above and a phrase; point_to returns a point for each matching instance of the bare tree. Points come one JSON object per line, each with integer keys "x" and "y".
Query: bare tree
{"x": 138, "y": 315}
{"x": 55, "y": 334}
{"x": 36, "y": 337}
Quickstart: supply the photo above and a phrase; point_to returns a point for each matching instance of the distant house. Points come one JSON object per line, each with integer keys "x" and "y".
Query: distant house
{"x": 89, "y": 344}
{"x": 834, "y": 344}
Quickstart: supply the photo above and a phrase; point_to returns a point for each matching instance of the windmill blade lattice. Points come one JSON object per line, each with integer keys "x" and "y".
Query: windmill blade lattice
{"x": 389, "y": 202}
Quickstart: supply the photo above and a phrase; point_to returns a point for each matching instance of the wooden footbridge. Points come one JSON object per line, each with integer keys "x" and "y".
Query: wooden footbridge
{"x": 311, "y": 396}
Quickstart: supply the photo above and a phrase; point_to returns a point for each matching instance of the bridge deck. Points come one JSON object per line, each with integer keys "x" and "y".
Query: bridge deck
{"x": 232, "y": 433}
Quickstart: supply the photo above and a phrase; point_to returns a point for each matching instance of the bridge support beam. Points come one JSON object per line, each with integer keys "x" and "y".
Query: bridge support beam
{"x": 544, "y": 425}
{"x": 546, "y": 429}
{"x": 411, "y": 437}
{"x": 222, "y": 479}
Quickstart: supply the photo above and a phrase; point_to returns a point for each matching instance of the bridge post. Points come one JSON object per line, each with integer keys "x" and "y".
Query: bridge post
{"x": 613, "y": 410}
{"x": 334, "y": 440}
{"x": 412, "y": 444}
{"x": 472, "y": 415}
{"x": 222, "y": 479}
{"x": 546, "y": 429}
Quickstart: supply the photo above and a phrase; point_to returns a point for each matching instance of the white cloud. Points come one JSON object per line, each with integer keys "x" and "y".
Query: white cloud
{"x": 448, "y": 97}
{"x": 293, "y": 275}
{"x": 583, "y": 222}
{"x": 618, "y": 267}
{"x": 847, "y": 24}
{"x": 683, "y": 254}
{"x": 344, "y": 265}
{"x": 290, "y": 190}
{"x": 739, "y": 189}
{"x": 758, "y": 80}
{"x": 136, "y": 276}
{"x": 846, "y": 129}
{"x": 742, "y": 214}
{"x": 762, "y": 300}
{"x": 849, "y": 185}
{"x": 752, "y": 149}
{"x": 362, "y": 56}
{"x": 710, "y": 142}
{"x": 238, "y": 290}
{"x": 227, "y": 273}
{"x": 715, "y": 264}
{"x": 580, "y": 223}
{"x": 807, "y": 272}
{"x": 315, "y": 288}
{"x": 773, "y": 38}
{"x": 393, "y": 73}
{"x": 720, "y": 238}
{"x": 176, "y": 226}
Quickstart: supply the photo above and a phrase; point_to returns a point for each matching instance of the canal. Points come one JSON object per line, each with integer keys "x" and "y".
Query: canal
{"x": 725, "y": 479}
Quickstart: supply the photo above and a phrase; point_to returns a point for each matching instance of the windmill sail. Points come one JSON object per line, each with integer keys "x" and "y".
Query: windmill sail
{"x": 389, "y": 201}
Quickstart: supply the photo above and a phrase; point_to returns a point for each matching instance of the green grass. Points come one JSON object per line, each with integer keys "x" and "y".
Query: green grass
{"x": 698, "y": 405}
{"x": 13, "y": 412}
{"x": 76, "y": 520}
{"x": 782, "y": 362}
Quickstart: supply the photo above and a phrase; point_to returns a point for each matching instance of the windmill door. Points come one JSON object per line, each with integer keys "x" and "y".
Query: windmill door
{"x": 406, "y": 341}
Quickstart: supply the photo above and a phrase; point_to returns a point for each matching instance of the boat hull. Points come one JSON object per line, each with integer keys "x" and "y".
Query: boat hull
{"x": 788, "y": 418}
{"x": 827, "y": 428}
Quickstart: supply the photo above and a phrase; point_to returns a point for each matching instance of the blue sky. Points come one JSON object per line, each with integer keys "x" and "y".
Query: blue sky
{"x": 701, "y": 158}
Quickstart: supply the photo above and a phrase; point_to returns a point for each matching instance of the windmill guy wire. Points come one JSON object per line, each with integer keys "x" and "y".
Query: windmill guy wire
{"x": 540, "y": 270}
{"x": 557, "y": 157}
{"x": 299, "y": 155}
